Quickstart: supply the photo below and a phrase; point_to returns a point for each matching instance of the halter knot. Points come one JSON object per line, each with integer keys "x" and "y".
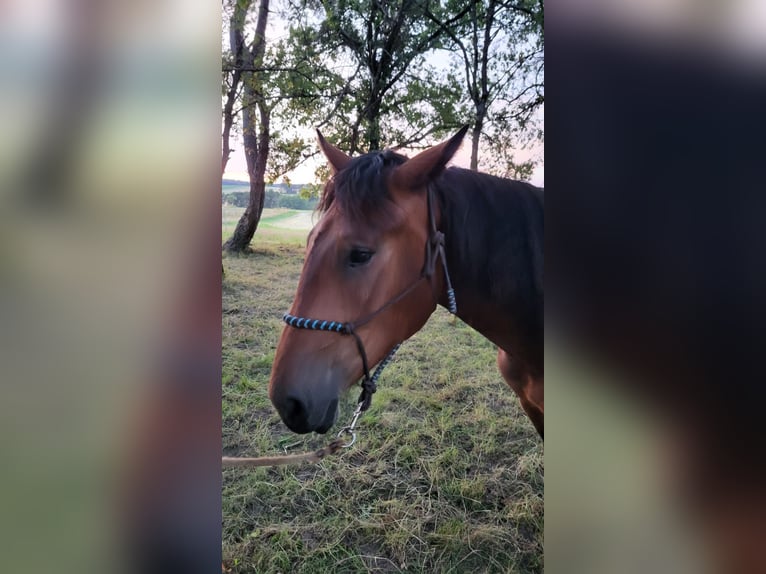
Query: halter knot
{"x": 369, "y": 387}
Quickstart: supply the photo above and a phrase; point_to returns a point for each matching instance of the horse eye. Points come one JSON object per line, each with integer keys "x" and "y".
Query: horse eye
{"x": 359, "y": 256}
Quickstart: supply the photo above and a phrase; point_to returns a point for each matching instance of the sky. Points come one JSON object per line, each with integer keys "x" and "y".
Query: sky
{"x": 237, "y": 169}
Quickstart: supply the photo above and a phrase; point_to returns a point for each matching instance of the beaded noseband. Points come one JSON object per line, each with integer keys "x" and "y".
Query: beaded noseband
{"x": 434, "y": 249}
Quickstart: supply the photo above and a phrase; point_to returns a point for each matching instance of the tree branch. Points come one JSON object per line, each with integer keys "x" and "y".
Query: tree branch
{"x": 456, "y": 40}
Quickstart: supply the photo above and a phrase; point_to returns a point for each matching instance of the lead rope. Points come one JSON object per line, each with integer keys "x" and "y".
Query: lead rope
{"x": 369, "y": 386}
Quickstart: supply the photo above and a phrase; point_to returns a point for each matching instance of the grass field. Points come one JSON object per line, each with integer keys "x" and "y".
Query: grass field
{"x": 447, "y": 474}
{"x": 270, "y": 232}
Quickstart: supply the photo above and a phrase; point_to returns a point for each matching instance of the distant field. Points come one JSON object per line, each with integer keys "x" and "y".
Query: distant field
{"x": 230, "y": 188}
{"x": 447, "y": 475}
{"x": 277, "y": 226}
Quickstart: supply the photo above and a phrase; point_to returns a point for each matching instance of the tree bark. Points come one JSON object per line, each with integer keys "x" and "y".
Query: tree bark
{"x": 373, "y": 125}
{"x": 475, "y": 137}
{"x": 255, "y": 130}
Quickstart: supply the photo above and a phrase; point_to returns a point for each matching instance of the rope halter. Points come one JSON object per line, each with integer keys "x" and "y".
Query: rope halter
{"x": 434, "y": 248}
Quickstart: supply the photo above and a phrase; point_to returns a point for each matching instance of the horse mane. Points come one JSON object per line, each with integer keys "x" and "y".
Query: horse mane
{"x": 493, "y": 230}
{"x": 360, "y": 189}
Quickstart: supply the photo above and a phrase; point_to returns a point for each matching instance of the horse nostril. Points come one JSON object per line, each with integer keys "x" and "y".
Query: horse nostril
{"x": 294, "y": 413}
{"x": 293, "y": 407}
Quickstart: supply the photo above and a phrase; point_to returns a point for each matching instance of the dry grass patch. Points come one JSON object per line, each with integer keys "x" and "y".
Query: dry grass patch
{"x": 447, "y": 475}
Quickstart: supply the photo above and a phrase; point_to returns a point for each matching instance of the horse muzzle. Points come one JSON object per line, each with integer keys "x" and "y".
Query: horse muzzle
{"x": 307, "y": 414}
{"x": 306, "y": 399}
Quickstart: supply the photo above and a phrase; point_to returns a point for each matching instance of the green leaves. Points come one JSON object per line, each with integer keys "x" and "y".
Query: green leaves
{"x": 376, "y": 74}
{"x": 285, "y": 153}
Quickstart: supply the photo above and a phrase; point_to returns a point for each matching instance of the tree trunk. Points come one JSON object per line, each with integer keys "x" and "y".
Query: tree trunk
{"x": 481, "y": 91}
{"x": 256, "y": 153}
{"x": 373, "y": 125}
{"x": 475, "y": 137}
{"x": 256, "y": 146}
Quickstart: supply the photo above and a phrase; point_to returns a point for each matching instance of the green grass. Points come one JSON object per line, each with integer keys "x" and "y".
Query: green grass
{"x": 269, "y": 232}
{"x": 447, "y": 474}
{"x": 279, "y": 215}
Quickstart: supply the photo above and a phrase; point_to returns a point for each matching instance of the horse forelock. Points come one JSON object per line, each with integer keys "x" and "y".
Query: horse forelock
{"x": 360, "y": 190}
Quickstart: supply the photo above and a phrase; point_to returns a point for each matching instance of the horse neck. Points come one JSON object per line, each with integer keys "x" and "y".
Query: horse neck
{"x": 494, "y": 246}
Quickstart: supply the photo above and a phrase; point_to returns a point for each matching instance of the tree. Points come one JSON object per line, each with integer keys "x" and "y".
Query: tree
{"x": 363, "y": 71}
{"x": 273, "y": 76}
{"x": 256, "y": 118}
{"x": 499, "y": 48}
{"x": 387, "y": 92}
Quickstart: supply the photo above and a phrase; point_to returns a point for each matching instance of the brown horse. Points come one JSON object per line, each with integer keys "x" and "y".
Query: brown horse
{"x": 373, "y": 271}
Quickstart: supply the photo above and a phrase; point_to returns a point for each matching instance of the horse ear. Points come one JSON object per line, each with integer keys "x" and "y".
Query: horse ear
{"x": 336, "y": 158}
{"x": 415, "y": 173}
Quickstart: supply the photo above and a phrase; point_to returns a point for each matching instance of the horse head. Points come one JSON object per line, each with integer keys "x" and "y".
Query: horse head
{"x": 369, "y": 272}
